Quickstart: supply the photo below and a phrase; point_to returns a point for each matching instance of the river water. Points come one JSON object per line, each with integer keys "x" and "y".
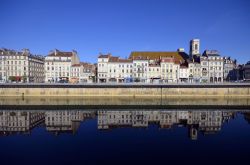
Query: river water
{"x": 123, "y": 135}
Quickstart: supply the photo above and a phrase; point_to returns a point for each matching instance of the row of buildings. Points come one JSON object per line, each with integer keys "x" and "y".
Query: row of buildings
{"x": 173, "y": 66}
{"x": 56, "y": 122}
{"x": 57, "y": 66}
{"x": 177, "y": 66}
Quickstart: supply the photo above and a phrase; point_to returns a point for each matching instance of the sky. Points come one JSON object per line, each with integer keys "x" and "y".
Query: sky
{"x": 118, "y": 27}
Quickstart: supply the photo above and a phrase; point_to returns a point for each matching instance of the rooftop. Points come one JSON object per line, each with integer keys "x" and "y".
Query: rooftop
{"x": 180, "y": 56}
{"x": 61, "y": 54}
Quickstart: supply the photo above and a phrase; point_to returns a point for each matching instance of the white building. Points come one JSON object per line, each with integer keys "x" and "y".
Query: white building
{"x": 58, "y": 65}
{"x": 114, "y": 69}
{"x": 119, "y": 70}
{"x": 214, "y": 63}
{"x": 140, "y": 69}
{"x": 21, "y": 66}
{"x": 170, "y": 68}
{"x": 102, "y": 67}
{"x": 184, "y": 73}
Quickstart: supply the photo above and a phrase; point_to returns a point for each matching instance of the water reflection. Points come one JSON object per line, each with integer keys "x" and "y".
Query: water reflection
{"x": 68, "y": 121}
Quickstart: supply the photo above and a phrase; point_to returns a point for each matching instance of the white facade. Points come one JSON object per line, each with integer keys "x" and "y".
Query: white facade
{"x": 184, "y": 74}
{"x": 21, "y": 66}
{"x": 170, "y": 70}
{"x": 58, "y": 65}
{"x": 102, "y": 68}
{"x": 140, "y": 70}
{"x": 215, "y": 66}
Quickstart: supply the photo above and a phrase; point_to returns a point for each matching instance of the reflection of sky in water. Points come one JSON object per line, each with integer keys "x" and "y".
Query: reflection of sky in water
{"x": 137, "y": 136}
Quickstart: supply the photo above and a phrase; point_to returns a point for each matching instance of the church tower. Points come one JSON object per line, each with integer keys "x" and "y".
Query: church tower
{"x": 194, "y": 47}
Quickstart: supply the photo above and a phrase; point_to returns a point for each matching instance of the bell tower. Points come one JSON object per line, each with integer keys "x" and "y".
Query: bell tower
{"x": 194, "y": 47}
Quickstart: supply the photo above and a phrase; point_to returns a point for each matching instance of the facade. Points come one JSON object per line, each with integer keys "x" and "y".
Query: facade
{"x": 184, "y": 73}
{"x": 119, "y": 70}
{"x": 157, "y": 66}
{"x": 154, "y": 72}
{"x": 229, "y": 69}
{"x": 21, "y": 66}
{"x": 170, "y": 68}
{"x": 214, "y": 63}
{"x": 246, "y": 70}
{"x": 114, "y": 69}
{"x": 194, "y": 70}
{"x": 102, "y": 67}
{"x": 140, "y": 69}
{"x": 58, "y": 65}
{"x": 83, "y": 73}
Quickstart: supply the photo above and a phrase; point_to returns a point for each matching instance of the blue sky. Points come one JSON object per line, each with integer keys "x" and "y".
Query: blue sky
{"x": 122, "y": 26}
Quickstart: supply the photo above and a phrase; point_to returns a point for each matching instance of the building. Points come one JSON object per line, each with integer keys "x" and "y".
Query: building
{"x": 194, "y": 70}
{"x": 21, "y": 66}
{"x": 83, "y": 73}
{"x": 170, "y": 68}
{"x": 102, "y": 67}
{"x": 246, "y": 69}
{"x": 184, "y": 73}
{"x": 140, "y": 69}
{"x": 58, "y": 65}
{"x": 229, "y": 69}
{"x": 114, "y": 69}
{"x": 212, "y": 64}
{"x": 154, "y": 72}
{"x": 119, "y": 70}
{"x": 157, "y": 66}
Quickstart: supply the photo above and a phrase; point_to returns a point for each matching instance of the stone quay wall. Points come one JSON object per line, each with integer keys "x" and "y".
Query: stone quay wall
{"x": 134, "y": 90}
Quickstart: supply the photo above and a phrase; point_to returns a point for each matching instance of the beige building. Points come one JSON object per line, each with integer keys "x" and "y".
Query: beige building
{"x": 158, "y": 66}
{"x": 58, "y": 65}
{"x": 154, "y": 72}
{"x": 194, "y": 70}
{"x": 21, "y": 66}
{"x": 83, "y": 73}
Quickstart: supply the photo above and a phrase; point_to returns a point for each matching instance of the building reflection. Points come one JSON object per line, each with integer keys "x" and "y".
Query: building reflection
{"x": 19, "y": 122}
{"x": 68, "y": 121}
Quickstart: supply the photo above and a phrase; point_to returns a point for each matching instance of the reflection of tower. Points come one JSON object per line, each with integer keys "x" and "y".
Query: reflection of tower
{"x": 194, "y": 47}
{"x": 193, "y": 133}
